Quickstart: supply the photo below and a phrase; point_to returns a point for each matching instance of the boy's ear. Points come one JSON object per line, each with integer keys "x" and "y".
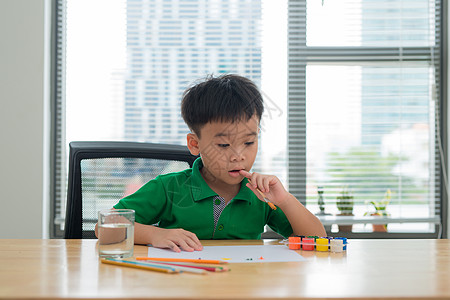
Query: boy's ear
{"x": 192, "y": 144}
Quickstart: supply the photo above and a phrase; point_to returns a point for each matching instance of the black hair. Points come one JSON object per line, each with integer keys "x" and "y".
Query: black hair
{"x": 227, "y": 98}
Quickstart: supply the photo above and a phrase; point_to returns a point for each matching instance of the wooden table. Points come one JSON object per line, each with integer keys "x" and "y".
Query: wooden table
{"x": 370, "y": 269}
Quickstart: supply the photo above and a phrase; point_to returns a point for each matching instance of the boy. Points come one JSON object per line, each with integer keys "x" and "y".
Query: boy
{"x": 218, "y": 197}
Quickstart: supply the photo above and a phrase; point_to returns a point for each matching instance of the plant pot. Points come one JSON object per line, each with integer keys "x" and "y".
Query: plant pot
{"x": 345, "y": 228}
{"x": 378, "y": 227}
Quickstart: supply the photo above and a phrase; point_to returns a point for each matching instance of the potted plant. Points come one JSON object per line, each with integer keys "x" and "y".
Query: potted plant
{"x": 380, "y": 210}
{"x": 344, "y": 203}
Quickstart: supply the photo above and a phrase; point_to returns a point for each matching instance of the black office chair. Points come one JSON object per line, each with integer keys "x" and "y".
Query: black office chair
{"x": 101, "y": 173}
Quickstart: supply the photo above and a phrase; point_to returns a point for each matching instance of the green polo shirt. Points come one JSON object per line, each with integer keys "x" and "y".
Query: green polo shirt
{"x": 184, "y": 200}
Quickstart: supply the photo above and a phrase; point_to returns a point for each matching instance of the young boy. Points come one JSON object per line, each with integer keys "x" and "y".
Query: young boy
{"x": 218, "y": 197}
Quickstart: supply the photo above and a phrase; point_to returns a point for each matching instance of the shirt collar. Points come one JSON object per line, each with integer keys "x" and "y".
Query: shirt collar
{"x": 201, "y": 190}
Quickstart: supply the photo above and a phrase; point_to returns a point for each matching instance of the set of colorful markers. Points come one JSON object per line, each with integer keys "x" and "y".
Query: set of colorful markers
{"x": 310, "y": 243}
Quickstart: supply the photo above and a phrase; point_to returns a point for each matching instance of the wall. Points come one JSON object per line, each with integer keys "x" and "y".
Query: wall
{"x": 24, "y": 109}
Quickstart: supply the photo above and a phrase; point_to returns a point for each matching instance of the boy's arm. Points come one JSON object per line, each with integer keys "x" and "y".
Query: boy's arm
{"x": 302, "y": 221}
{"x": 175, "y": 239}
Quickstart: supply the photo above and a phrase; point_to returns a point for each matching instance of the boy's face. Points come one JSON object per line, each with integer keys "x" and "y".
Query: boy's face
{"x": 225, "y": 149}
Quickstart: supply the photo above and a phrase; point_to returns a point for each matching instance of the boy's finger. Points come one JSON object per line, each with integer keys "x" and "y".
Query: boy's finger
{"x": 197, "y": 245}
{"x": 174, "y": 247}
{"x": 245, "y": 173}
{"x": 266, "y": 184}
{"x": 193, "y": 241}
{"x": 251, "y": 179}
{"x": 185, "y": 246}
{"x": 260, "y": 184}
{"x": 193, "y": 245}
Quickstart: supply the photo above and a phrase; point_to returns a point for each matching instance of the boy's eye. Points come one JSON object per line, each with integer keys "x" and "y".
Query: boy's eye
{"x": 223, "y": 145}
{"x": 249, "y": 143}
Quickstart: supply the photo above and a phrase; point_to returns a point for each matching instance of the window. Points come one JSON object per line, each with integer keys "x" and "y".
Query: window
{"x": 364, "y": 110}
{"x": 121, "y": 77}
{"x": 351, "y": 87}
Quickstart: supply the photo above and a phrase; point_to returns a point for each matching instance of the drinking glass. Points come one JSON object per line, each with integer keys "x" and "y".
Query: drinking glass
{"x": 116, "y": 233}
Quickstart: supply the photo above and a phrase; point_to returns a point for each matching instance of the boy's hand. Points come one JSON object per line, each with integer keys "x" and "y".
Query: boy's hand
{"x": 302, "y": 221}
{"x": 175, "y": 239}
{"x": 268, "y": 184}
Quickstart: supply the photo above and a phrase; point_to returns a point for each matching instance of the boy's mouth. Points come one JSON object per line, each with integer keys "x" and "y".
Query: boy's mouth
{"x": 235, "y": 173}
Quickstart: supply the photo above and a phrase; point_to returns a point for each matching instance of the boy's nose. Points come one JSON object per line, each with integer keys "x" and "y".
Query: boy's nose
{"x": 237, "y": 155}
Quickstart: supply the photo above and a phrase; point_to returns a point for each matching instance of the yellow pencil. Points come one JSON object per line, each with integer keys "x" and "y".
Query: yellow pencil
{"x": 135, "y": 264}
{"x": 200, "y": 261}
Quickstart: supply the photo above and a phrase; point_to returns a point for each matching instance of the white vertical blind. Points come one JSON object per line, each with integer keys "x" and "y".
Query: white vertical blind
{"x": 59, "y": 169}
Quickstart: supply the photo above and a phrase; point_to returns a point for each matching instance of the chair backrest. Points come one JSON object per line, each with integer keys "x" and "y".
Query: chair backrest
{"x": 101, "y": 173}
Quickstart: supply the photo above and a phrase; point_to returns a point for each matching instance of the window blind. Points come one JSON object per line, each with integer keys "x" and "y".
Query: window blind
{"x": 58, "y": 149}
{"x": 364, "y": 109}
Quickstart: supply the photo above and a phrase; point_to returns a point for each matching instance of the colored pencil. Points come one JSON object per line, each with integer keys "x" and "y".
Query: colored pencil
{"x": 195, "y": 266}
{"x": 272, "y": 206}
{"x": 188, "y": 260}
{"x": 138, "y": 265}
{"x": 179, "y": 267}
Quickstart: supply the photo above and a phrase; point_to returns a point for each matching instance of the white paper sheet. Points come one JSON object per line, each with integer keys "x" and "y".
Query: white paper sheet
{"x": 234, "y": 254}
